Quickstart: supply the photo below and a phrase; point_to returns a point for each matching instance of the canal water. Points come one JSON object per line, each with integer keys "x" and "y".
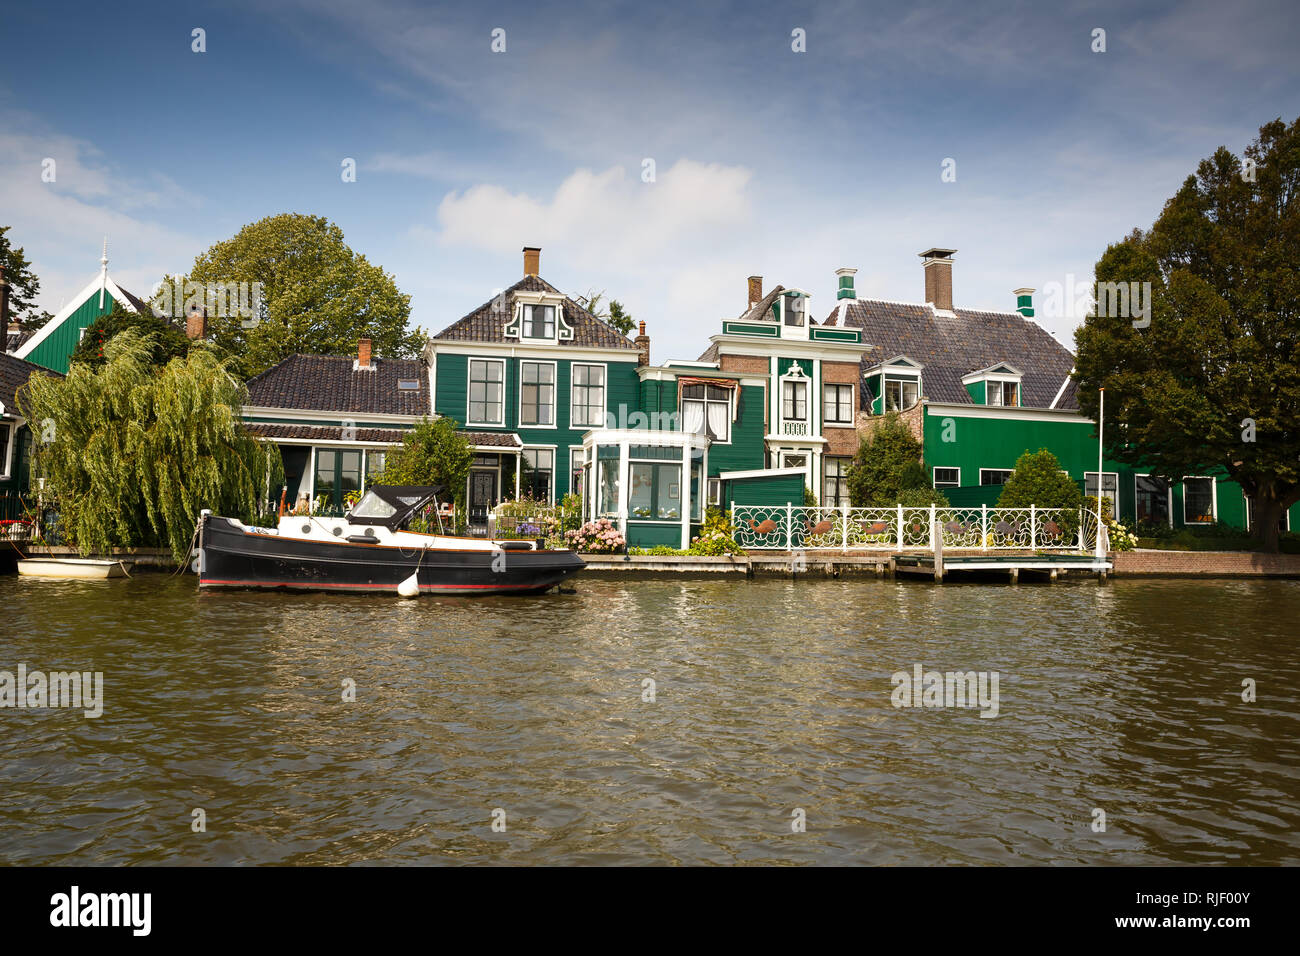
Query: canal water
{"x": 769, "y": 734}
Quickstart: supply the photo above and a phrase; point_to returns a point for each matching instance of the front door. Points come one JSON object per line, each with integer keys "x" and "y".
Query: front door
{"x": 482, "y": 496}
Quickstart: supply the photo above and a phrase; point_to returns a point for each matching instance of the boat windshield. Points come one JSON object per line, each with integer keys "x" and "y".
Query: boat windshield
{"x": 373, "y": 507}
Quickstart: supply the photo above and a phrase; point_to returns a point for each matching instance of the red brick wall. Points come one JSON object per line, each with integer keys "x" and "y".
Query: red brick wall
{"x": 1209, "y": 563}
{"x": 744, "y": 364}
{"x": 913, "y": 418}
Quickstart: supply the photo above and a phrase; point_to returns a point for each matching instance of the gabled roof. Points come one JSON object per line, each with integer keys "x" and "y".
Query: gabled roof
{"x": 756, "y": 313}
{"x": 14, "y": 373}
{"x": 487, "y": 323}
{"x": 950, "y": 347}
{"x": 103, "y": 281}
{"x": 331, "y": 383}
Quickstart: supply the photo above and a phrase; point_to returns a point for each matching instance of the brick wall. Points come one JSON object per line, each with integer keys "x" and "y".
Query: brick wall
{"x": 913, "y": 418}
{"x": 744, "y": 364}
{"x": 1208, "y": 563}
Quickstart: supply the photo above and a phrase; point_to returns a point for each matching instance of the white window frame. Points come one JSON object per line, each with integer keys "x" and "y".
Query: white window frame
{"x": 550, "y": 491}
{"x": 852, "y": 403}
{"x": 11, "y": 440}
{"x": 890, "y": 376}
{"x": 469, "y": 380}
{"x": 1001, "y": 383}
{"x": 713, "y": 493}
{"x": 733, "y": 395}
{"x": 826, "y": 460}
{"x": 1101, "y": 488}
{"x": 934, "y": 479}
{"x": 1214, "y": 499}
{"x": 577, "y": 462}
{"x": 1245, "y": 504}
{"x": 1009, "y": 471}
{"x": 604, "y": 394}
{"x": 1169, "y": 496}
{"x": 555, "y": 392}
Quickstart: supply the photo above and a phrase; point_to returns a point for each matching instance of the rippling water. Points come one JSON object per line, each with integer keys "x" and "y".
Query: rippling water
{"x": 769, "y": 696}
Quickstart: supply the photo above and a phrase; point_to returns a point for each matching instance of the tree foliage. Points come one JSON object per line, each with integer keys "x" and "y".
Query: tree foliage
{"x": 318, "y": 296}
{"x": 612, "y": 315}
{"x": 135, "y": 452}
{"x": 887, "y": 469}
{"x": 1214, "y": 380}
{"x": 432, "y": 453}
{"x": 167, "y": 341}
{"x": 1039, "y": 480}
{"x": 24, "y": 286}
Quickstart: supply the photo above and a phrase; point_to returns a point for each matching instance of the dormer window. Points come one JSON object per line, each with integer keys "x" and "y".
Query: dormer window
{"x": 1002, "y": 393}
{"x": 901, "y": 393}
{"x": 997, "y": 385}
{"x": 539, "y": 322}
{"x": 795, "y": 311}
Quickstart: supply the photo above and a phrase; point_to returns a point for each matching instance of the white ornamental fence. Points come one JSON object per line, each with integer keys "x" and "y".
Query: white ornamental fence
{"x": 790, "y": 527}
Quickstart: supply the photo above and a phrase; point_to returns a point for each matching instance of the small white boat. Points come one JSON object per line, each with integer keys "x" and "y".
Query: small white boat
{"x": 73, "y": 568}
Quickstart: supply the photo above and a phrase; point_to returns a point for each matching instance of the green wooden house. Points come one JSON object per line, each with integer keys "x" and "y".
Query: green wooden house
{"x": 981, "y": 388}
{"x": 51, "y": 346}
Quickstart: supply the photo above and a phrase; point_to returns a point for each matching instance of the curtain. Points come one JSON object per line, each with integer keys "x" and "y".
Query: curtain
{"x": 718, "y": 420}
{"x": 693, "y": 417}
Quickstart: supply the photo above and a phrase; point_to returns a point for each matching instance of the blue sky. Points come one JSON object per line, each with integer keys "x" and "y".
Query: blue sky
{"x": 771, "y": 162}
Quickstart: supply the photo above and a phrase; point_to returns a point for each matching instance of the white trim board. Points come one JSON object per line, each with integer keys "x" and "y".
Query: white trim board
{"x": 73, "y": 305}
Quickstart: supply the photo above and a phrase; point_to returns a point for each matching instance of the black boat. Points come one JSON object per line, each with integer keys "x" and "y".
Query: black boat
{"x": 371, "y": 550}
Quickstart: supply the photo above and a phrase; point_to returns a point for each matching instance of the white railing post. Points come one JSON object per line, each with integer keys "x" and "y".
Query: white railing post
{"x": 1081, "y": 538}
{"x": 1033, "y": 527}
{"x": 900, "y": 527}
{"x": 844, "y": 508}
{"x": 984, "y": 527}
{"x": 933, "y": 545}
{"x": 789, "y": 522}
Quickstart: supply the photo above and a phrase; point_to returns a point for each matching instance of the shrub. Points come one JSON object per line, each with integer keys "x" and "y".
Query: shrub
{"x": 884, "y": 461}
{"x": 716, "y": 537}
{"x": 596, "y": 537}
{"x": 1039, "y": 480}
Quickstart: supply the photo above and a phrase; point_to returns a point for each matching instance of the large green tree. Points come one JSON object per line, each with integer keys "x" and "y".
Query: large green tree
{"x": 166, "y": 340}
{"x": 132, "y": 453}
{"x": 1214, "y": 378}
{"x": 23, "y": 283}
{"x": 318, "y": 296}
{"x": 432, "y": 453}
{"x": 887, "y": 469}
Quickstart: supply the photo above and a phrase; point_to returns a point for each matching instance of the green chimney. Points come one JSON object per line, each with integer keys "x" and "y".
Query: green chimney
{"x": 846, "y": 290}
{"x": 1025, "y": 302}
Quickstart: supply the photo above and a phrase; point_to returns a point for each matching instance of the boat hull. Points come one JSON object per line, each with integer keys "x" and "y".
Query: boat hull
{"x": 85, "y": 569}
{"x": 234, "y": 558}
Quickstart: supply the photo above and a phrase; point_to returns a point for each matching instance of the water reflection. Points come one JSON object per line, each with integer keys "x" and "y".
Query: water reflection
{"x": 769, "y": 695}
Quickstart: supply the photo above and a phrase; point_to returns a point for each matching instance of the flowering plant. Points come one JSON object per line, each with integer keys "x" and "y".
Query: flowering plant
{"x": 715, "y": 538}
{"x": 598, "y": 537}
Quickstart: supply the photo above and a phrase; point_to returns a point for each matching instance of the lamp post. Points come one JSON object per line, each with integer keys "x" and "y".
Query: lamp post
{"x": 1101, "y": 417}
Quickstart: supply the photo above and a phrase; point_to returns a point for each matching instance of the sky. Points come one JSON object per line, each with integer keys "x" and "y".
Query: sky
{"x": 766, "y": 160}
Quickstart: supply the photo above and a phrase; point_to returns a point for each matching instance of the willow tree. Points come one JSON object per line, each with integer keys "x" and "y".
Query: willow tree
{"x": 132, "y": 453}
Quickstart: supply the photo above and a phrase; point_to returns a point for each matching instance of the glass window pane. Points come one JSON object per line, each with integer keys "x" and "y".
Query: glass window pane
{"x": 609, "y": 485}
{"x": 639, "y": 497}
{"x": 1198, "y": 500}
{"x": 668, "y": 491}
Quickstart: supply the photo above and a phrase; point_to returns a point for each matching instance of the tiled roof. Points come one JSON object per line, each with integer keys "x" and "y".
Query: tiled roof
{"x": 951, "y": 347}
{"x": 487, "y": 323}
{"x": 328, "y": 383}
{"x": 14, "y": 373}
{"x": 16, "y": 338}
{"x": 136, "y": 302}
{"x": 495, "y": 439}
{"x": 391, "y": 436}
{"x": 757, "y": 313}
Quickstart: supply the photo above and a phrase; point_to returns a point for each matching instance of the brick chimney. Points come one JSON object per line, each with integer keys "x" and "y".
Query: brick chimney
{"x": 1024, "y": 302}
{"x": 4, "y": 312}
{"x": 643, "y": 347}
{"x": 532, "y": 260}
{"x": 196, "y": 325}
{"x": 363, "y": 353}
{"x": 755, "y": 291}
{"x": 938, "y": 277}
